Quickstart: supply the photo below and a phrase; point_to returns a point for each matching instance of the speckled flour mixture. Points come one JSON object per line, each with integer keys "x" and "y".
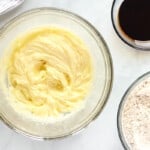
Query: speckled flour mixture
{"x": 136, "y": 117}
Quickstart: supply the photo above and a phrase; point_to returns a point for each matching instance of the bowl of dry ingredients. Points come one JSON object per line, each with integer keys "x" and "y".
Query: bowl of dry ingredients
{"x": 56, "y": 73}
{"x": 134, "y": 115}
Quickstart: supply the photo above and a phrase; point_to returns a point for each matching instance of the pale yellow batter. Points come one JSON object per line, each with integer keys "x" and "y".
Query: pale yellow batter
{"x": 49, "y": 71}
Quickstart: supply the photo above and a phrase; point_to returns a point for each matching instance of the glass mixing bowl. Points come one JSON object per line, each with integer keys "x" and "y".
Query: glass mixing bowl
{"x": 121, "y": 133}
{"x": 102, "y": 64}
{"x": 140, "y": 45}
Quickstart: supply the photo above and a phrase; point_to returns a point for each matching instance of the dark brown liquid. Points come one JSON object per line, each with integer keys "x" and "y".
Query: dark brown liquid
{"x": 134, "y": 19}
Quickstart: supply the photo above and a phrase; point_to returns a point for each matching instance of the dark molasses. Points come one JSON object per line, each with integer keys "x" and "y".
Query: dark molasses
{"x": 134, "y": 19}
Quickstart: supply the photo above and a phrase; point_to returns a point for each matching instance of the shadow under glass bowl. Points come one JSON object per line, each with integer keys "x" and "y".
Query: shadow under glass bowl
{"x": 102, "y": 79}
{"x": 121, "y": 107}
{"x": 139, "y": 45}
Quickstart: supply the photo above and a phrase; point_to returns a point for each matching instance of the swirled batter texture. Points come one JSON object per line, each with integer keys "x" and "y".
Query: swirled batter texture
{"x": 49, "y": 71}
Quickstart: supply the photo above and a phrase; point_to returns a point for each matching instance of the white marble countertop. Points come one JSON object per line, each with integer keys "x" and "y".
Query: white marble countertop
{"x": 128, "y": 65}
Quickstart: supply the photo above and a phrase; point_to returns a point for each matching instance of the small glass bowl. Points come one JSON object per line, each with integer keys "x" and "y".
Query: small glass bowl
{"x": 140, "y": 45}
{"x": 102, "y": 78}
{"x": 121, "y": 107}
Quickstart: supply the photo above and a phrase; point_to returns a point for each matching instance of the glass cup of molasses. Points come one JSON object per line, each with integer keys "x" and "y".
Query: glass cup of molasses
{"x": 131, "y": 21}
